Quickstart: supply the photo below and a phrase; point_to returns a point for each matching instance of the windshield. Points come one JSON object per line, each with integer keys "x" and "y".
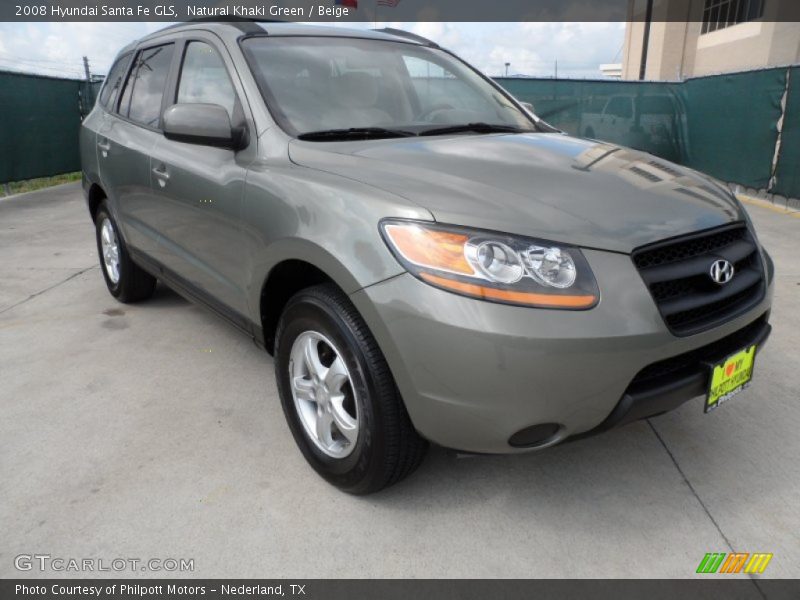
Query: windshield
{"x": 324, "y": 84}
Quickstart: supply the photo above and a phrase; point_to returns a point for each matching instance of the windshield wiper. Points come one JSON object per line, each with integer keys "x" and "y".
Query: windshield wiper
{"x": 477, "y": 128}
{"x": 354, "y": 133}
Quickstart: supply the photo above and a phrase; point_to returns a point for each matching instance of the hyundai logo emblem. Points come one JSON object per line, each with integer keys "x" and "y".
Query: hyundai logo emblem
{"x": 721, "y": 271}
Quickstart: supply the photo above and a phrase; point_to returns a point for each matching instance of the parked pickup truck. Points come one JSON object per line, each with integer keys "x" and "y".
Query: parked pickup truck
{"x": 649, "y": 122}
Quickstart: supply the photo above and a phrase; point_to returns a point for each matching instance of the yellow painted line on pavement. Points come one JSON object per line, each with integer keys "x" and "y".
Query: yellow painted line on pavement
{"x": 791, "y": 212}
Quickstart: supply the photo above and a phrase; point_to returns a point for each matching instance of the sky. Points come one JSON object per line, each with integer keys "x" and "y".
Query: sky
{"x": 532, "y": 48}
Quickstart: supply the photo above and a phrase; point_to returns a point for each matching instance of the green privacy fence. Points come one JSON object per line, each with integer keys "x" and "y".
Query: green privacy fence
{"x": 724, "y": 125}
{"x": 39, "y": 122}
{"x": 732, "y": 124}
{"x": 787, "y": 174}
{"x": 646, "y": 116}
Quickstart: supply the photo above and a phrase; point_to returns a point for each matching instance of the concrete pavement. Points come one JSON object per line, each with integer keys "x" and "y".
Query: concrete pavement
{"x": 155, "y": 431}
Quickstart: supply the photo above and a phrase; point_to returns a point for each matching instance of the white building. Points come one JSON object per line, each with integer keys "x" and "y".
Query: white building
{"x": 690, "y": 38}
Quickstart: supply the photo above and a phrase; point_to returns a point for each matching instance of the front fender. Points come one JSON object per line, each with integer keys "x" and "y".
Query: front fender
{"x": 328, "y": 221}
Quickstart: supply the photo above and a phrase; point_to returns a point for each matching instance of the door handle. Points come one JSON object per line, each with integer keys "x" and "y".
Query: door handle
{"x": 162, "y": 175}
{"x": 104, "y": 148}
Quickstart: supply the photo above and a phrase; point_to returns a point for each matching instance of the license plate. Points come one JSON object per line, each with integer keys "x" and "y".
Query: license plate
{"x": 730, "y": 377}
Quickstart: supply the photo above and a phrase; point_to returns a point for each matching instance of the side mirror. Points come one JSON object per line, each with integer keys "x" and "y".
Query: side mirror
{"x": 528, "y": 106}
{"x": 204, "y": 124}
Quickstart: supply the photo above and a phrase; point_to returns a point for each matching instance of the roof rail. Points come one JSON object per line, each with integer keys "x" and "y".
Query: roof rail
{"x": 245, "y": 24}
{"x": 408, "y": 35}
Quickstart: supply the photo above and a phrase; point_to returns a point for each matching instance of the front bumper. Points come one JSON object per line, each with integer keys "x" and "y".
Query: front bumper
{"x": 665, "y": 385}
{"x": 474, "y": 373}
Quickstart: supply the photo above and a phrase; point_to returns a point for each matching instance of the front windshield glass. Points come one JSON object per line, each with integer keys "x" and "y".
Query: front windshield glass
{"x": 317, "y": 84}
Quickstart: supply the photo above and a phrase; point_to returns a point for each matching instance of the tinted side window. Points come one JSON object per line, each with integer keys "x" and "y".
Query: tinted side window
{"x": 656, "y": 105}
{"x": 141, "y": 100}
{"x": 114, "y": 81}
{"x": 204, "y": 79}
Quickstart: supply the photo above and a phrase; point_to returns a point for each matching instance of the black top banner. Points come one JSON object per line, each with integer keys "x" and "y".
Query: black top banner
{"x": 374, "y": 10}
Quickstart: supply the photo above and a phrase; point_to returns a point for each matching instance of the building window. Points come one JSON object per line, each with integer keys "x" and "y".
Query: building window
{"x": 719, "y": 14}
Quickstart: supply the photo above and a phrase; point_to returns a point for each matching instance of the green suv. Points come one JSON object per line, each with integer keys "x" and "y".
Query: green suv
{"x": 425, "y": 259}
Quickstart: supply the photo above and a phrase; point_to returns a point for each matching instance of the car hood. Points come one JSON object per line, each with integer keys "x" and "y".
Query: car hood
{"x": 549, "y": 186}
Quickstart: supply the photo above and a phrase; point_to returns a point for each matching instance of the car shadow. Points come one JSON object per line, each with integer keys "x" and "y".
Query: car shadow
{"x": 164, "y": 297}
{"x": 620, "y": 462}
{"x": 611, "y": 473}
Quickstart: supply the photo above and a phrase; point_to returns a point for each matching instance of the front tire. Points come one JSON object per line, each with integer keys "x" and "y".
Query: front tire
{"x": 126, "y": 281}
{"x": 340, "y": 400}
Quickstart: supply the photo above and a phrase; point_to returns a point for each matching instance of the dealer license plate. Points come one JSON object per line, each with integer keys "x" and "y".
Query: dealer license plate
{"x": 730, "y": 377}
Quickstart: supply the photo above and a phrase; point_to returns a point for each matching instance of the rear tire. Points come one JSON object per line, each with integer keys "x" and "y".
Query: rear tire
{"x": 371, "y": 444}
{"x": 126, "y": 281}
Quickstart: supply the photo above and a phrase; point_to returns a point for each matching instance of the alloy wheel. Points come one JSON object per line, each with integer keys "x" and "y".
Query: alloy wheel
{"x": 110, "y": 249}
{"x": 323, "y": 394}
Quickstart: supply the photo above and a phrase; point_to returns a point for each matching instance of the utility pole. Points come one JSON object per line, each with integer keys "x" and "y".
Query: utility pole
{"x": 88, "y": 79}
{"x": 648, "y": 19}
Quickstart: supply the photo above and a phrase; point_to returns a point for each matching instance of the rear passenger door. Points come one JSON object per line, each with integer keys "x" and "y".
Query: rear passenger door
{"x": 125, "y": 142}
{"x": 198, "y": 188}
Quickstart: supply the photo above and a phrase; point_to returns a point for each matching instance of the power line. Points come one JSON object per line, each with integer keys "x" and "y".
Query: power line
{"x": 616, "y": 56}
{"x": 44, "y": 67}
{"x": 31, "y": 69}
{"x": 40, "y": 64}
{"x": 43, "y": 64}
{"x": 33, "y": 60}
{"x": 61, "y": 75}
{"x": 64, "y": 67}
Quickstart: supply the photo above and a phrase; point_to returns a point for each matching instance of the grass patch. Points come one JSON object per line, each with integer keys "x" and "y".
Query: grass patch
{"x": 31, "y": 185}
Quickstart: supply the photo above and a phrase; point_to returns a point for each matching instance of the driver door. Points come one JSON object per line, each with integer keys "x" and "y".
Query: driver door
{"x": 200, "y": 188}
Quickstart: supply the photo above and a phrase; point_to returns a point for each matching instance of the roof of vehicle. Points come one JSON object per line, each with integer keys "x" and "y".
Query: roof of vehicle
{"x": 283, "y": 28}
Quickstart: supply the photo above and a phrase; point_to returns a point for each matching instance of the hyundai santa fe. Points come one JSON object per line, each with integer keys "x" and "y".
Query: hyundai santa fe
{"x": 425, "y": 259}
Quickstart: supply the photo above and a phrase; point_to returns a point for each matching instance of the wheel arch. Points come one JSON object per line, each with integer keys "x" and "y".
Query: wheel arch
{"x": 284, "y": 281}
{"x": 95, "y": 196}
{"x": 296, "y": 265}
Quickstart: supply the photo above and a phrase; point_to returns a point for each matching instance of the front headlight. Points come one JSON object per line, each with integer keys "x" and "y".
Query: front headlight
{"x": 493, "y": 266}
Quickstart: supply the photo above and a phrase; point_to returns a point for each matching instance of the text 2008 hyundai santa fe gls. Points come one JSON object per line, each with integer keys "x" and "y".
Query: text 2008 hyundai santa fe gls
{"x": 426, "y": 260}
